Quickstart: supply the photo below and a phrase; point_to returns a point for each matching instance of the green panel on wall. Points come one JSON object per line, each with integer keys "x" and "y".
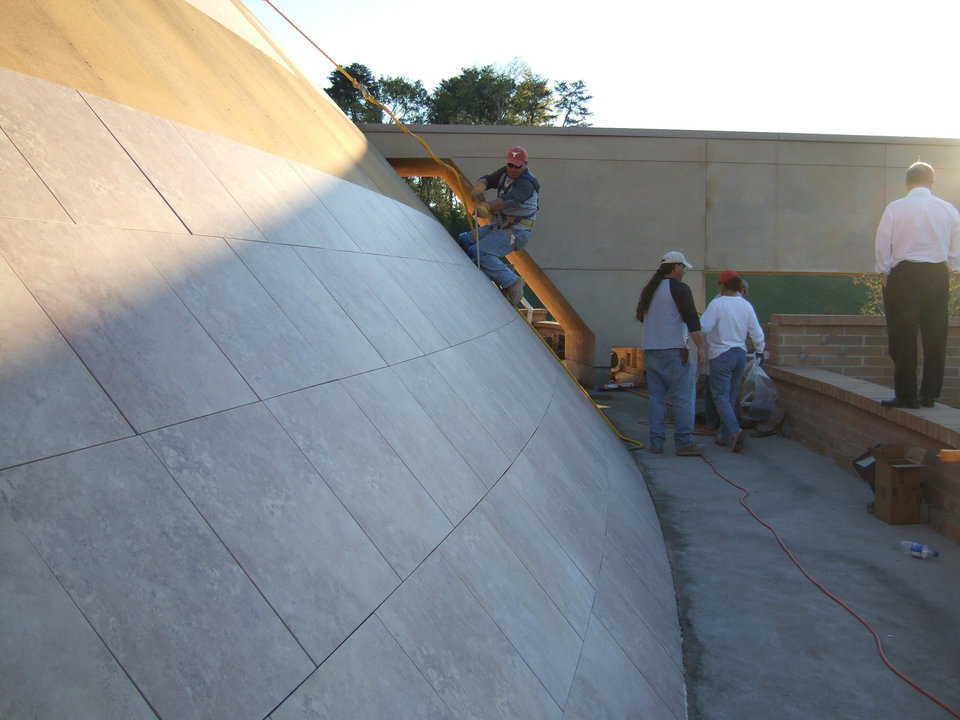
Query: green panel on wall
{"x": 798, "y": 294}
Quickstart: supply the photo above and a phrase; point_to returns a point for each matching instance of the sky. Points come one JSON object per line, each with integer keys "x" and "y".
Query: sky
{"x": 846, "y": 66}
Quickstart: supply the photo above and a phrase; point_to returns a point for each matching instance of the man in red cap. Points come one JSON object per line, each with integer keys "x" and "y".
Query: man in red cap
{"x": 726, "y": 323}
{"x": 511, "y": 215}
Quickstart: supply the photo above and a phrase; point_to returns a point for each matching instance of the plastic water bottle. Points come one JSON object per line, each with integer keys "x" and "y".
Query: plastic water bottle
{"x": 917, "y": 550}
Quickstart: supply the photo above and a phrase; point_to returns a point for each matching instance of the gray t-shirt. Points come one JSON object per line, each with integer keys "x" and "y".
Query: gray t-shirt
{"x": 671, "y": 315}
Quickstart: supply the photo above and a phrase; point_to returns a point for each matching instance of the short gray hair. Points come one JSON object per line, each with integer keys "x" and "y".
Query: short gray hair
{"x": 920, "y": 173}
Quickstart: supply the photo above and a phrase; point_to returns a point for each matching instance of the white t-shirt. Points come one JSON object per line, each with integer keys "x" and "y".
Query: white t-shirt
{"x": 726, "y": 323}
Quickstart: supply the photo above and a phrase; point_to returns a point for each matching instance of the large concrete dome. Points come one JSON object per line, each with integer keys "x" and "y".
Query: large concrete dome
{"x": 269, "y": 445}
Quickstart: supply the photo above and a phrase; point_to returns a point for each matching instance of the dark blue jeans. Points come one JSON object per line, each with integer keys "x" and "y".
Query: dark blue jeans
{"x": 669, "y": 377}
{"x": 495, "y": 244}
{"x": 726, "y": 375}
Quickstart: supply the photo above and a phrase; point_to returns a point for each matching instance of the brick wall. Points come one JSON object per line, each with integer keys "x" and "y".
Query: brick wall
{"x": 852, "y": 345}
{"x": 840, "y": 416}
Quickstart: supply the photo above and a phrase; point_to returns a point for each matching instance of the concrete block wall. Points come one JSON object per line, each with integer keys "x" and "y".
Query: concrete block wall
{"x": 852, "y": 345}
{"x": 615, "y": 199}
{"x": 840, "y": 416}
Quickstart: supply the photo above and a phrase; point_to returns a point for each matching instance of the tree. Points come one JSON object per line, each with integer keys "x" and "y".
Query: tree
{"x": 532, "y": 101}
{"x": 873, "y": 305}
{"x": 344, "y": 94}
{"x": 571, "y": 103}
{"x": 477, "y": 96}
{"x": 407, "y": 99}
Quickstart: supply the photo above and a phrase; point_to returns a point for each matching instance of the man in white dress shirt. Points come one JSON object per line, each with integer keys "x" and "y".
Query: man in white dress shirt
{"x": 918, "y": 244}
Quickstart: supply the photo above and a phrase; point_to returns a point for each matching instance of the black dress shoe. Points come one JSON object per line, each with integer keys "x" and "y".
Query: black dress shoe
{"x": 928, "y": 402}
{"x": 898, "y": 403}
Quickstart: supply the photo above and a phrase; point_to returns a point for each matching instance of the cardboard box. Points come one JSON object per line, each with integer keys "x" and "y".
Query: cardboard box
{"x": 899, "y": 486}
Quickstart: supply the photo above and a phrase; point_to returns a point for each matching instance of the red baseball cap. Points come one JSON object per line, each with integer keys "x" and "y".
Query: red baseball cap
{"x": 517, "y": 156}
{"x": 728, "y": 275}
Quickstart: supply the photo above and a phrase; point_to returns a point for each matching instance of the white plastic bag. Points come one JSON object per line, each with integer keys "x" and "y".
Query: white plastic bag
{"x": 759, "y": 401}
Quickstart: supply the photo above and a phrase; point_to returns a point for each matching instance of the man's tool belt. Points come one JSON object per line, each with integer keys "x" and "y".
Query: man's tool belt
{"x": 510, "y": 221}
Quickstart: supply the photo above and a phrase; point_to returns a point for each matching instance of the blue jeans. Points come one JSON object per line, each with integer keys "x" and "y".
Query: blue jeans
{"x": 726, "y": 375}
{"x": 710, "y": 415}
{"x": 668, "y": 376}
{"x": 495, "y": 244}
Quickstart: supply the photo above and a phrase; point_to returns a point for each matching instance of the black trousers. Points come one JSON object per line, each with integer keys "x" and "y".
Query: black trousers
{"x": 915, "y": 299}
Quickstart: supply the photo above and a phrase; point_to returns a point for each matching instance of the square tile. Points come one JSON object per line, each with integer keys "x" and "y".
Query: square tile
{"x": 379, "y": 278}
{"x": 540, "y": 553}
{"x": 455, "y": 418}
{"x": 421, "y": 445}
{"x": 429, "y": 286}
{"x": 77, "y": 158}
{"x": 339, "y": 274}
{"x": 52, "y": 664}
{"x": 138, "y": 340}
{"x": 246, "y": 323}
{"x": 573, "y": 521}
{"x": 518, "y": 605}
{"x": 336, "y": 342}
{"x": 652, "y": 598}
{"x": 346, "y": 686}
{"x": 353, "y": 207}
{"x": 442, "y": 246}
{"x": 273, "y": 195}
{"x": 280, "y": 521}
{"x": 460, "y": 650}
{"x": 22, "y": 192}
{"x": 364, "y": 472}
{"x": 608, "y": 686}
{"x": 155, "y": 582}
{"x": 178, "y": 173}
{"x": 49, "y": 403}
{"x": 660, "y": 667}
{"x": 455, "y": 367}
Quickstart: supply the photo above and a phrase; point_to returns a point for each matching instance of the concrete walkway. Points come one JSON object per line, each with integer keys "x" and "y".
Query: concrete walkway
{"x": 760, "y": 641}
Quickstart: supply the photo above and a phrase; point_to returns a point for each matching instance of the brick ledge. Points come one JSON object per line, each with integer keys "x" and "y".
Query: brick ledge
{"x": 839, "y": 320}
{"x": 940, "y": 423}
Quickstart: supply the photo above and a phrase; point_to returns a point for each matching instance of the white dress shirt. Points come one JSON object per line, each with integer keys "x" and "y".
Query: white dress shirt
{"x": 726, "y": 323}
{"x": 921, "y": 228}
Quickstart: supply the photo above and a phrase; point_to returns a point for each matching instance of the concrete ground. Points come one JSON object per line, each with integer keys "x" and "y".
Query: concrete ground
{"x": 760, "y": 641}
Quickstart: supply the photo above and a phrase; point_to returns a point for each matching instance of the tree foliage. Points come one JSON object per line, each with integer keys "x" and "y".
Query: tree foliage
{"x": 477, "y": 96}
{"x": 873, "y": 305}
{"x": 571, "y": 103}
{"x": 487, "y": 95}
{"x": 532, "y": 101}
{"x": 407, "y": 99}
{"x": 344, "y": 94}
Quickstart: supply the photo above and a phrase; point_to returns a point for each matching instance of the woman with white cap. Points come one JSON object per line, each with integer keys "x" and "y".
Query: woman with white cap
{"x": 669, "y": 316}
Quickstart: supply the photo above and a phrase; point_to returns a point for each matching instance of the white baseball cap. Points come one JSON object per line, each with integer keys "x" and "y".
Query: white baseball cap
{"x": 675, "y": 256}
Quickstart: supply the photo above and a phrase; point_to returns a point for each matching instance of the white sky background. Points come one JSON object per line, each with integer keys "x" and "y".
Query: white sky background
{"x": 847, "y": 66}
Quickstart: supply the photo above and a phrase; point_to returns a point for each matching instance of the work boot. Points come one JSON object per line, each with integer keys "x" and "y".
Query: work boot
{"x": 514, "y": 293}
{"x": 736, "y": 443}
{"x": 691, "y": 450}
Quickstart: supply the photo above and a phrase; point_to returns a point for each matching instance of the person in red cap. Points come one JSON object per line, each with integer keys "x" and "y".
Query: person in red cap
{"x": 511, "y": 215}
{"x": 726, "y": 323}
